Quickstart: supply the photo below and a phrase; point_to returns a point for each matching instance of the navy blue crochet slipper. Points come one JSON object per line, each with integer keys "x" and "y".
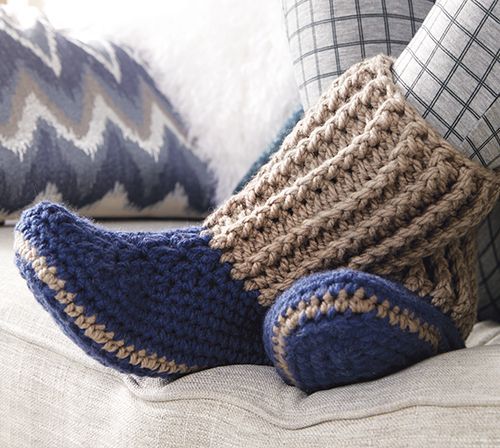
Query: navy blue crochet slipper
{"x": 342, "y": 327}
{"x": 154, "y": 304}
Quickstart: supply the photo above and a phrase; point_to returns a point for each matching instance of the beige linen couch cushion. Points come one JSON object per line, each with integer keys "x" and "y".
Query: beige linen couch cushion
{"x": 53, "y": 395}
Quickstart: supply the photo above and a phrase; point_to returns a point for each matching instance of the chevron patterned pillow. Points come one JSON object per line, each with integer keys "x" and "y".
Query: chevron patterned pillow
{"x": 86, "y": 125}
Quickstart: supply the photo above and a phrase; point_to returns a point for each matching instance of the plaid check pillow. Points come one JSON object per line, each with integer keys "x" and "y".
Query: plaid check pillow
{"x": 327, "y": 37}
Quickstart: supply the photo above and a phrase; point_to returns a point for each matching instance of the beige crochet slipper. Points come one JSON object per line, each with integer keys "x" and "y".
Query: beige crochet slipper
{"x": 362, "y": 182}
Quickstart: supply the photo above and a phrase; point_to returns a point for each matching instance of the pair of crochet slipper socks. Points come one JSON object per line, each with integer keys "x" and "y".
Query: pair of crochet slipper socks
{"x": 349, "y": 256}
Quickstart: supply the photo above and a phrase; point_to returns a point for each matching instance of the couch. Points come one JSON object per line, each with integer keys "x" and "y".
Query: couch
{"x": 53, "y": 395}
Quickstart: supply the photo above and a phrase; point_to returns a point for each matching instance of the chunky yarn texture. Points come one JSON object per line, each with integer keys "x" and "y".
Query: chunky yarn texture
{"x": 340, "y": 327}
{"x": 156, "y": 304}
{"x": 362, "y": 182}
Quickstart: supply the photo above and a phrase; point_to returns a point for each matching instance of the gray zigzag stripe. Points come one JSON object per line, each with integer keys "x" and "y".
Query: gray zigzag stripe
{"x": 69, "y": 118}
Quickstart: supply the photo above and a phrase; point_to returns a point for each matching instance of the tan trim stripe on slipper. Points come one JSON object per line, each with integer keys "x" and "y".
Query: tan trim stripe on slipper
{"x": 97, "y": 332}
{"x": 357, "y": 303}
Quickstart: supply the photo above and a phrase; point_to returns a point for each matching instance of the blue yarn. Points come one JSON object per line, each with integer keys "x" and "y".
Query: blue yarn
{"x": 167, "y": 292}
{"x": 338, "y": 348}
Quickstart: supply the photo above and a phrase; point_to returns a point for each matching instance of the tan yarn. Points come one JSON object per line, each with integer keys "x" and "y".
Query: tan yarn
{"x": 361, "y": 182}
{"x": 449, "y": 277}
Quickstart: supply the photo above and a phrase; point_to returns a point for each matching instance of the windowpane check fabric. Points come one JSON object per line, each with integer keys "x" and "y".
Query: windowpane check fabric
{"x": 328, "y": 36}
{"x": 450, "y": 72}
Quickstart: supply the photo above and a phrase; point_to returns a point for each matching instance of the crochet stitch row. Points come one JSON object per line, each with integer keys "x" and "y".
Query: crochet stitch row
{"x": 96, "y": 332}
{"x": 449, "y": 277}
{"x": 356, "y": 302}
